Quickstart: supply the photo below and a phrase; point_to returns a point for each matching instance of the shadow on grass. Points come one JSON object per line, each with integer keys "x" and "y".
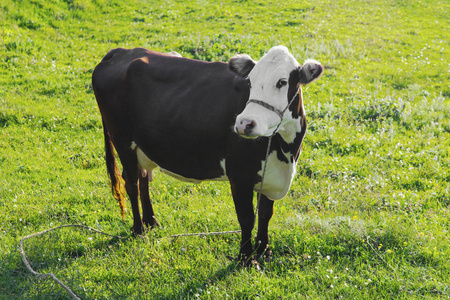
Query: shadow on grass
{"x": 190, "y": 290}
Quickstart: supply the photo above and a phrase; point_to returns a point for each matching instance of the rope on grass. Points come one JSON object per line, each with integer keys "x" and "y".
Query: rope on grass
{"x": 204, "y": 233}
{"x": 40, "y": 275}
{"x": 68, "y": 290}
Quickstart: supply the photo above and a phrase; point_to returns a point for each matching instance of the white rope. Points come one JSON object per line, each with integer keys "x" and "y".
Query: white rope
{"x": 68, "y": 290}
{"x": 27, "y": 264}
{"x": 204, "y": 233}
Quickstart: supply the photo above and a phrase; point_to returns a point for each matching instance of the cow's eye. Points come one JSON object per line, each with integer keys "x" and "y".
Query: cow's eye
{"x": 281, "y": 83}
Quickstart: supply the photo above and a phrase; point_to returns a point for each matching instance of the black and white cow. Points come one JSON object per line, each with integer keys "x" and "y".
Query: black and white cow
{"x": 200, "y": 121}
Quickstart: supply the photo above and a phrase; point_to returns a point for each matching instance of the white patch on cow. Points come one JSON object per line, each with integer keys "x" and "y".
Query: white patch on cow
{"x": 224, "y": 177}
{"x": 174, "y": 53}
{"x": 148, "y": 165}
{"x": 179, "y": 177}
{"x": 276, "y": 65}
{"x": 278, "y": 177}
{"x": 144, "y": 161}
{"x": 191, "y": 180}
{"x": 289, "y": 130}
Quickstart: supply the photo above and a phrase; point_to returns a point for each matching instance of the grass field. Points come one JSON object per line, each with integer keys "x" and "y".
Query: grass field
{"x": 368, "y": 215}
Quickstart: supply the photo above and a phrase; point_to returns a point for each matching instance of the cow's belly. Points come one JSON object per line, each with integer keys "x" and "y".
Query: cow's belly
{"x": 277, "y": 179}
{"x": 192, "y": 180}
{"x": 147, "y": 164}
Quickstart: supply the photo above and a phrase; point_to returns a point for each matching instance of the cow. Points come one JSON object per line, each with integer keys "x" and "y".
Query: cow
{"x": 199, "y": 121}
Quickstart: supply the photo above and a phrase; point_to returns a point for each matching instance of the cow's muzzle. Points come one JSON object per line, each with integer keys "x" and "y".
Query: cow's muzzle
{"x": 245, "y": 127}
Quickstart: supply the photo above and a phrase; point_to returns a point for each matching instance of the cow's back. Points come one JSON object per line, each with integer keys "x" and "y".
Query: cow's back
{"x": 171, "y": 107}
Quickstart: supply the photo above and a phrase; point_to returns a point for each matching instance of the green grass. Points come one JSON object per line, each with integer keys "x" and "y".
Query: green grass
{"x": 368, "y": 215}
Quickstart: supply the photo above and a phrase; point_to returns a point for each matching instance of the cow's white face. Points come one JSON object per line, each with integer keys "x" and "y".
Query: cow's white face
{"x": 270, "y": 80}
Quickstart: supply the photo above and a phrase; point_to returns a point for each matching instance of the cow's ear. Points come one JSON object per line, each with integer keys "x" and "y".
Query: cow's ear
{"x": 311, "y": 70}
{"x": 241, "y": 64}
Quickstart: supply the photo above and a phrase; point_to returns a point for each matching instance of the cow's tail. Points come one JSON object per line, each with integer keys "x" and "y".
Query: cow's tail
{"x": 113, "y": 172}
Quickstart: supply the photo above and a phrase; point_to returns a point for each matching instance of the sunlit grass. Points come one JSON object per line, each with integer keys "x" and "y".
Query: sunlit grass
{"x": 368, "y": 213}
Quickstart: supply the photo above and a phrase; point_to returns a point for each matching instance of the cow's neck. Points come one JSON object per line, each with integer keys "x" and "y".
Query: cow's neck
{"x": 289, "y": 130}
{"x": 290, "y": 136}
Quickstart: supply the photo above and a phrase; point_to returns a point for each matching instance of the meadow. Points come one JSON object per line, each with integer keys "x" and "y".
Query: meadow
{"x": 367, "y": 217}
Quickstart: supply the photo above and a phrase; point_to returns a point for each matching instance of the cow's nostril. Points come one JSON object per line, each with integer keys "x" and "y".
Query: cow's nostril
{"x": 249, "y": 125}
{"x": 245, "y": 127}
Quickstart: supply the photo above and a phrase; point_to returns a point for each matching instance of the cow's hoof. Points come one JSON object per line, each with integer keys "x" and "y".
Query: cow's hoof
{"x": 152, "y": 224}
{"x": 137, "y": 231}
{"x": 246, "y": 261}
{"x": 254, "y": 264}
{"x": 266, "y": 256}
{"x": 136, "y": 234}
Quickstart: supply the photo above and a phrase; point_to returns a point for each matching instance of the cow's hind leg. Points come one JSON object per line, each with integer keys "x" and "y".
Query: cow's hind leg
{"x": 148, "y": 216}
{"x": 262, "y": 238}
{"x": 130, "y": 172}
{"x": 131, "y": 176}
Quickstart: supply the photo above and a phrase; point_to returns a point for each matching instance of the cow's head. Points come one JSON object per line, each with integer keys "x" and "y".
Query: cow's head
{"x": 274, "y": 82}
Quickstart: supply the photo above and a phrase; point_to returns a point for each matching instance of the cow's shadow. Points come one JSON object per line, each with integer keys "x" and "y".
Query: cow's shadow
{"x": 189, "y": 291}
{"x": 197, "y": 288}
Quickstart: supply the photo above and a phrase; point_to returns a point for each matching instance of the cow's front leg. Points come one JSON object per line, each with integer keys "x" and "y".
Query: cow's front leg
{"x": 243, "y": 201}
{"x": 262, "y": 238}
